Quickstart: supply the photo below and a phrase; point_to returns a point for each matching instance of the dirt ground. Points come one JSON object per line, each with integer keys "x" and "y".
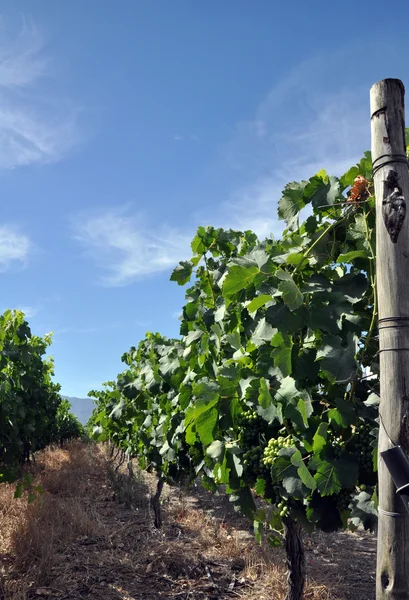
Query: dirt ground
{"x": 90, "y": 535}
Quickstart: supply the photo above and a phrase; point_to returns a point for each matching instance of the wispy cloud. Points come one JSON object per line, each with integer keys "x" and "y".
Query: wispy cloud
{"x": 190, "y": 138}
{"x": 29, "y": 311}
{"x": 76, "y": 330}
{"x": 143, "y": 324}
{"x": 297, "y": 129}
{"x": 126, "y": 248}
{"x": 35, "y": 126}
{"x": 14, "y": 247}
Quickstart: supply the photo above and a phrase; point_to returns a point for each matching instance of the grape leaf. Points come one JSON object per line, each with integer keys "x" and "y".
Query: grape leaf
{"x": 264, "y": 332}
{"x": 182, "y": 273}
{"x": 292, "y": 295}
{"x": 238, "y": 278}
{"x": 291, "y": 202}
{"x": 337, "y": 360}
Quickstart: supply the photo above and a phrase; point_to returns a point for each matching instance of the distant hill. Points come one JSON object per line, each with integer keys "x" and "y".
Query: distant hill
{"x": 81, "y": 407}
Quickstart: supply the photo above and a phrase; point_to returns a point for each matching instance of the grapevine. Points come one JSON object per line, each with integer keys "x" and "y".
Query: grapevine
{"x": 32, "y": 414}
{"x": 264, "y": 392}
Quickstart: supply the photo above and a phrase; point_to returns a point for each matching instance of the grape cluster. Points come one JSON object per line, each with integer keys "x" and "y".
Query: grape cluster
{"x": 251, "y": 426}
{"x": 273, "y": 448}
{"x": 337, "y": 446}
{"x": 252, "y": 457}
{"x": 361, "y": 447}
{"x": 343, "y": 499}
{"x": 283, "y": 508}
{"x": 252, "y": 434}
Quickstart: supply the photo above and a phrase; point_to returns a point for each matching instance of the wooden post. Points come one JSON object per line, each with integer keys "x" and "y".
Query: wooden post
{"x": 391, "y": 178}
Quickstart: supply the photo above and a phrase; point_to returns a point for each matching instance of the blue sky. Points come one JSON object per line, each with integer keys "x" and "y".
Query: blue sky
{"x": 125, "y": 125}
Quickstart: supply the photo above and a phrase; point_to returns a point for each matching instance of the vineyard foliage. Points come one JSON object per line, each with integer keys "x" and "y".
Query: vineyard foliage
{"x": 30, "y": 403}
{"x": 267, "y": 390}
{"x": 67, "y": 426}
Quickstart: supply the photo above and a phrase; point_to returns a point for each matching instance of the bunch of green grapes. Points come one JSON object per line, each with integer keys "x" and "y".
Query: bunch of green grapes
{"x": 337, "y": 446}
{"x": 252, "y": 435}
{"x": 362, "y": 448}
{"x": 251, "y": 427}
{"x": 252, "y": 457}
{"x": 283, "y": 508}
{"x": 343, "y": 499}
{"x": 253, "y": 466}
{"x": 273, "y": 448}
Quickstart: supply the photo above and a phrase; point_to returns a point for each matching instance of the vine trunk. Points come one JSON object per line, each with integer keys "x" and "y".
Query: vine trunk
{"x": 294, "y": 548}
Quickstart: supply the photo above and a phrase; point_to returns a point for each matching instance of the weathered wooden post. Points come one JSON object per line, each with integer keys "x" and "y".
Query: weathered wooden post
{"x": 391, "y": 176}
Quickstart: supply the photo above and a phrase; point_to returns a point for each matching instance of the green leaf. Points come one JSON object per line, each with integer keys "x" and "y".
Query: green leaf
{"x": 303, "y": 473}
{"x": 350, "y": 256}
{"x": 236, "y": 465}
{"x": 304, "y": 410}
{"x": 364, "y": 512}
{"x": 281, "y": 317}
{"x": 216, "y": 450}
{"x": 292, "y": 295}
{"x": 116, "y": 412}
{"x": 182, "y": 273}
{"x": 352, "y": 286}
{"x": 258, "y": 302}
{"x": 206, "y": 397}
{"x": 192, "y": 336}
{"x": 206, "y": 391}
{"x": 205, "y": 424}
{"x": 332, "y": 476}
{"x": 282, "y": 354}
{"x": 365, "y": 165}
{"x": 260, "y": 487}
{"x": 256, "y": 257}
{"x": 322, "y": 190}
{"x": 372, "y": 400}
{"x": 327, "y": 479}
{"x": 288, "y": 392}
{"x": 293, "y": 485}
{"x": 349, "y": 177}
{"x": 221, "y": 472}
{"x": 271, "y": 413}
{"x": 337, "y": 360}
{"x": 264, "y": 332}
{"x": 264, "y": 397}
{"x": 305, "y": 368}
{"x": 243, "y": 499}
{"x": 282, "y": 465}
{"x": 239, "y": 278}
{"x": 291, "y": 202}
{"x": 344, "y": 415}
{"x": 320, "y": 438}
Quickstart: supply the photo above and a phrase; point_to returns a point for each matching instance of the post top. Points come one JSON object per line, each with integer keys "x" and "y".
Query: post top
{"x": 389, "y": 82}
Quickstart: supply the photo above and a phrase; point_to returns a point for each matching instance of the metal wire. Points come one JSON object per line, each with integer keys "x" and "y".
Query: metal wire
{"x": 399, "y": 322}
{"x": 391, "y": 350}
{"x": 388, "y": 513}
{"x": 393, "y": 158}
{"x": 385, "y": 430}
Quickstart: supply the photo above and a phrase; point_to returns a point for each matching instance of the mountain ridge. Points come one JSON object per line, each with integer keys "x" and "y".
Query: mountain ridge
{"x": 81, "y": 407}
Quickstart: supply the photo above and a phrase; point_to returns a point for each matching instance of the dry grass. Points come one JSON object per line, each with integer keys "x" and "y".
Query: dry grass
{"x": 90, "y": 536}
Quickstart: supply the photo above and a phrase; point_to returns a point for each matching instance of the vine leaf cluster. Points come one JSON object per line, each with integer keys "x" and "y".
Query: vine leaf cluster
{"x": 32, "y": 413}
{"x": 266, "y": 390}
